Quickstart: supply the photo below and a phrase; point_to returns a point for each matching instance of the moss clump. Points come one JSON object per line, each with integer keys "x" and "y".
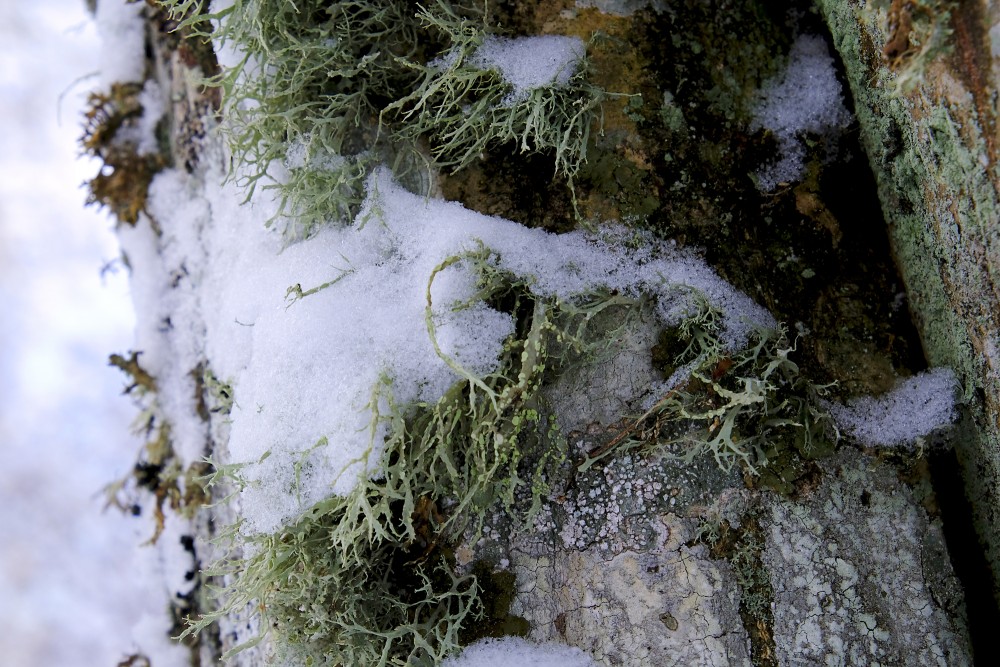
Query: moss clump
{"x": 123, "y": 181}
{"x": 157, "y": 471}
{"x": 497, "y": 589}
{"x": 743, "y": 548}
{"x": 350, "y": 85}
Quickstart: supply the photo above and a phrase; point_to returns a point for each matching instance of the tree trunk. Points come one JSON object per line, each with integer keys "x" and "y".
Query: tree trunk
{"x": 832, "y": 556}
{"x": 933, "y": 148}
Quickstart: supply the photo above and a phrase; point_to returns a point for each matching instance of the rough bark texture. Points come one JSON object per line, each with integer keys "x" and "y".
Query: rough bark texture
{"x": 649, "y": 562}
{"x": 645, "y": 561}
{"x": 933, "y": 149}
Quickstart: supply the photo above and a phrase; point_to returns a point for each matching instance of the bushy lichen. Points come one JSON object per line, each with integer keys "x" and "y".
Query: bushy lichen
{"x": 735, "y": 406}
{"x": 367, "y": 578}
{"x": 330, "y": 90}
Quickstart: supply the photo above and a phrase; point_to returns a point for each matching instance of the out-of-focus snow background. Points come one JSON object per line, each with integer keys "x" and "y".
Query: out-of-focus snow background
{"x": 71, "y": 582}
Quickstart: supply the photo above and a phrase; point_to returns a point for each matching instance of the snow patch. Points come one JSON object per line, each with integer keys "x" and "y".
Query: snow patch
{"x": 622, "y": 7}
{"x": 123, "y": 34}
{"x": 517, "y": 652}
{"x": 143, "y": 134}
{"x": 805, "y": 99}
{"x": 917, "y": 406}
{"x": 529, "y": 63}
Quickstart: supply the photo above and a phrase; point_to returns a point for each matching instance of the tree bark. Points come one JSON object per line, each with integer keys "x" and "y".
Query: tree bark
{"x": 645, "y": 561}
{"x": 933, "y": 149}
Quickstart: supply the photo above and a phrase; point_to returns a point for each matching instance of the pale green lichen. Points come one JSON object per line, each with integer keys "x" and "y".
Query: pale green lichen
{"x": 919, "y": 32}
{"x": 734, "y": 406}
{"x": 366, "y": 578}
{"x": 351, "y": 85}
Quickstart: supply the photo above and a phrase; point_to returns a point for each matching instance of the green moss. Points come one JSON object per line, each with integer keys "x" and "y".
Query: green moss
{"x": 123, "y": 181}
{"x": 622, "y": 183}
{"x": 497, "y": 590}
{"x": 743, "y": 549}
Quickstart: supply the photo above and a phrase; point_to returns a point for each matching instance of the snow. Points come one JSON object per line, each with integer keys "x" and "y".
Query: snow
{"x": 805, "y": 99}
{"x": 169, "y": 329}
{"x": 304, "y": 370}
{"x": 142, "y": 135}
{"x": 917, "y": 406}
{"x": 517, "y": 652}
{"x": 122, "y": 47}
{"x": 622, "y": 7}
{"x": 528, "y": 63}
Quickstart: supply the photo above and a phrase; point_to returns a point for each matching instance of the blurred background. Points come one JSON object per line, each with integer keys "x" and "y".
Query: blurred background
{"x": 75, "y": 588}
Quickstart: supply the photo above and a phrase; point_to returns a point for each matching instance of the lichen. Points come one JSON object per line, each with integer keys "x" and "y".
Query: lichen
{"x": 732, "y": 406}
{"x": 368, "y": 578}
{"x": 356, "y": 84}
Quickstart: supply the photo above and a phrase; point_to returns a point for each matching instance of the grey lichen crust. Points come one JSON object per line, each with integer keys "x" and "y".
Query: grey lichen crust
{"x": 665, "y": 605}
{"x": 858, "y": 575}
{"x": 622, "y": 564}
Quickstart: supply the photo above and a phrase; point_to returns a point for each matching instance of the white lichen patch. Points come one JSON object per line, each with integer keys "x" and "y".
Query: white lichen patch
{"x": 850, "y": 576}
{"x": 669, "y": 605}
{"x": 614, "y": 506}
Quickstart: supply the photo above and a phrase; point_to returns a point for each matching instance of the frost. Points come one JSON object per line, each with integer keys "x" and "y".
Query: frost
{"x": 913, "y": 409}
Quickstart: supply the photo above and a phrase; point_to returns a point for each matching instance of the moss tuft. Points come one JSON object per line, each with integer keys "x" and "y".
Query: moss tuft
{"x": 123, "y": 181}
